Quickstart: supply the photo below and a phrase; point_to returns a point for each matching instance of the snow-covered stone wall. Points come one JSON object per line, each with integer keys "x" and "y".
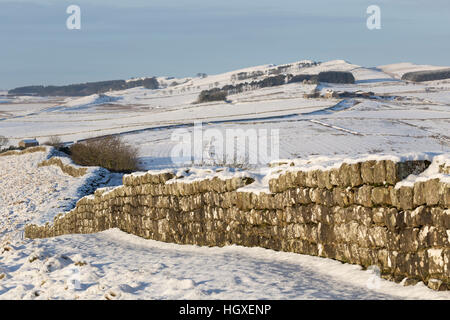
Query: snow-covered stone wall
{"x": 357, "y": 213}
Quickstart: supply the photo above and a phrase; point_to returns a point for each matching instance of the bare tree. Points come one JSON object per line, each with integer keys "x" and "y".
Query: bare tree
{"x": 54, "y": 141}
{"x": 3, "y": 141}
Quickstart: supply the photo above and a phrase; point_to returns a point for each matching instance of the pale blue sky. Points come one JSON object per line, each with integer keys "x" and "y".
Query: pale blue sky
{"x": 122, "y": 39}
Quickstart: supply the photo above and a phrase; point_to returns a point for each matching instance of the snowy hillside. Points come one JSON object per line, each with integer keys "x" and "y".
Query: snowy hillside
{"x": 396, "y": 118}
{"x": 415, "y": 117}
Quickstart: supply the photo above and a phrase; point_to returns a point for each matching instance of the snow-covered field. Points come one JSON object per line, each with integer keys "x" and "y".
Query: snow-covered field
{"x": 417, "y": 120}
{"x": 114, "y": 265}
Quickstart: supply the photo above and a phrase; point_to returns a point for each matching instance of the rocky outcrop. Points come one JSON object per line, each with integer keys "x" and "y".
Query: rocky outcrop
{"x": 354, "y": 213}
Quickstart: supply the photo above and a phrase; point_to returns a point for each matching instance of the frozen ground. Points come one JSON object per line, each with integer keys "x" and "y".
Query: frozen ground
{"x": 114, "y": 265}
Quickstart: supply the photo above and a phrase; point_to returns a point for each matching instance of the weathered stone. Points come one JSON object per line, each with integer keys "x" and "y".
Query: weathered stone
{"x": 367, "y": 172}
{"x": 321, "y": 196}
{"x": 402, "y": 197}
{"x": 381, "y": 196}
{"x": 345, "y": 175}
{"x": 419, "y": 194}
{"x": 394, "y": 219}
{"x": 379, "y": 172}
{"x": 436, "y": 261}
{"x": 379, "y": 215}
{"x": 302, "y": 196}
{"x": 335, "y": 177}
{"x": 377, "y": 237}
{"x": 445, "y": 195}
{"x": 300, "y": 179}
{"x": 432, "y": 192}
{"x": 437, "y": 284}
{"x": 418, "y": 217}
{"x": 410, "y": 241}
{"x": 323, "y": 179}
{"x": 320, "y": 213}
{"x": 364, "y": 196}
{"x": 311, "y": 178}
{"x": 439, "y": 217}
{"x": 355, "y": 175}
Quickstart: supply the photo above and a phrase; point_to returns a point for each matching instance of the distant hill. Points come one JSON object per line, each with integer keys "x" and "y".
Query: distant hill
{"x": 85, "y": 89}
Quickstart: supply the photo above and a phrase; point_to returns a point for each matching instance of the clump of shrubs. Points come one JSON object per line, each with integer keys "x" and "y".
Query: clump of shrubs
{"x": 336, "y": 77}
{"x": 311, "y": 78}
{"x": 212, "y": 95}
{"x": 109, "y": 152}
{"x": 220, "y": 94}
{"x": 427, "y": 75}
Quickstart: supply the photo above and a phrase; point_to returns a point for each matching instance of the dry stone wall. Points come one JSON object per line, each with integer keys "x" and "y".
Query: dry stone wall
{"x": 24, "y": 151}
{"x": 66, "y": 168}
{"x": 353, "y": 214}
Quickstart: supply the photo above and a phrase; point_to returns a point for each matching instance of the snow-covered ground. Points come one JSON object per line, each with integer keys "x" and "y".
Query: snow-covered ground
{"x": 114, "y": 265}
{"x": 32, "y": 194}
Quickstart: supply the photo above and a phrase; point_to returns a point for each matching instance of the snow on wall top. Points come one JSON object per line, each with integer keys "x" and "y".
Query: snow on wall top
{"x": 262, "y": 176}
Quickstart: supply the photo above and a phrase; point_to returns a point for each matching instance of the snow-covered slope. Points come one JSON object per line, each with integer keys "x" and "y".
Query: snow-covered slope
{"x": 416, "y": 118}
{"x": 397, "y": 70}
{"x": 29, "y": 193}
{"x": 400, "y": 118}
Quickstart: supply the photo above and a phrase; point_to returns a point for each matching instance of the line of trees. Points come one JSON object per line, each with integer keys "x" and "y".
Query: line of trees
{"x": 85, "y": 89}
{"x": 427, "y": 75}
{"x": 220, "y": 94}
